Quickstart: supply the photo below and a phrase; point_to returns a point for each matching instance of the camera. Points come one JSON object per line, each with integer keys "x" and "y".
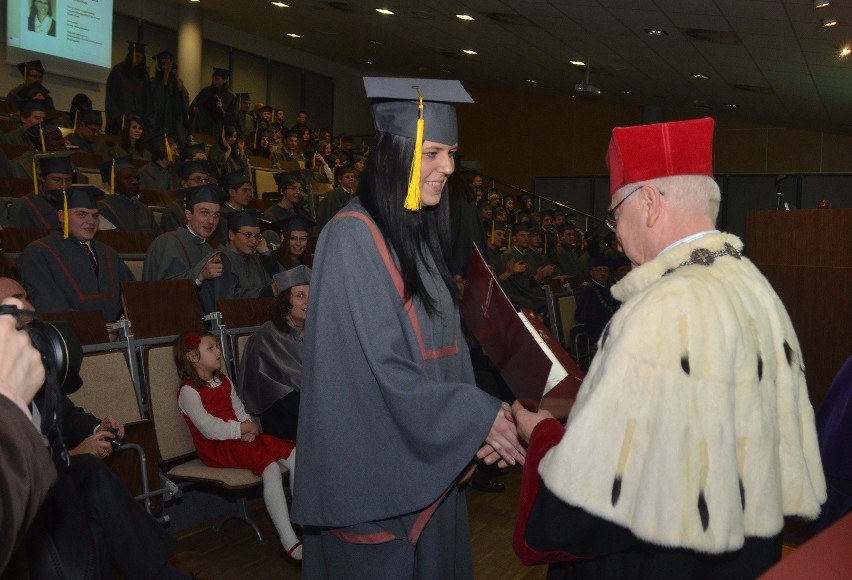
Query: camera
{"x": 61, "y": 352}
{"x": 115, "y": 441}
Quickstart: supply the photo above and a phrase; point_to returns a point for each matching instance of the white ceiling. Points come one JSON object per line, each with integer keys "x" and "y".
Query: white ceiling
{"x": 770, "y": 58}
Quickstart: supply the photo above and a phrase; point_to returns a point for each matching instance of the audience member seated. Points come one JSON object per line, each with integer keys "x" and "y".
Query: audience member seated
{"x": 69, "y": 269}
{"x": 90, "y": 518}
{"x": 45, "y": 137}
{"x": 79, "y": 102}
{"x": 37, "y": 209}
{"x": 161, "y": 172}
{"x": 124, "y": 208}
{"x": 571, "y": 262}
{"x": 260, "y": 144}
{"x": 128, "y": 93}
{"x": 344, "y": 150}
{"x": 239, "y": 195}
{"x": 290, "y": 151}
{"x": 524, "y": 286}
{"x": 134, "y": 136}
{"x": 228, "y": 154}
{"x": 31, "y": 113}
{"x": 294, "y": 234}
{"x": 595, "y": 304}
{"x": 184, "y": 253}
{"x": 290, "y": 187}
{"x": 192, "y": 173}
{"x": 33, "y": 74}
{"x": 87, "y": 134}
{"x": 338, "y": 197}
{"x": 214, "y": 106}
{"x": 271, "y": 369}
{"x": 246, "y": 259}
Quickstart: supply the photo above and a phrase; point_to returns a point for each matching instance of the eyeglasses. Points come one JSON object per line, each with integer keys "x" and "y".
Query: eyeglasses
{"x": 611, "y": 221}
{"x": 251, "y": 236}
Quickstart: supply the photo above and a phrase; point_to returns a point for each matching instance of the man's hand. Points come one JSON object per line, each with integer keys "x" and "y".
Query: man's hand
{"x": 213, "y": 268}
{"x": 526, "y": 421}
{"x": 109, "y": 423}
{"x": 502, "y": 445}
{"x": 98, "y": 445}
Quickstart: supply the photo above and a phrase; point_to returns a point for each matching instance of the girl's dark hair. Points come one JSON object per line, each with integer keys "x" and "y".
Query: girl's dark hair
{"x": 33, "y": 10}
{"x": 278, "y": 311}
{"x": 79, "y": 102}
{"x": 411, "y": 235}
{"x": 139, "y": 146}
{"x": 185, "y": 368}
{"x": 227, "y": 131}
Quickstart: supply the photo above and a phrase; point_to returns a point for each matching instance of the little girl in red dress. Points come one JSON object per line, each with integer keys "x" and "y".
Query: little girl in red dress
{"x": 224, "y": 434}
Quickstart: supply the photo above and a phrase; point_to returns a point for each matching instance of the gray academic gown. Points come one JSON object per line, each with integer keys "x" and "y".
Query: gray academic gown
{"x": 98, "y": 147}
{"x": 173, "y": 217}
{"x": 271, "y": 367}
{"x": 181, "y": 255}
{"x": 32, "y": 211}
{"x": 58, "y": 276}
{"x": 243, "y": 276}
{"x": 155, "y": 176}
{"x": 129, "y": 214}
{"x": 335, "y": 201}
{"x": 389, "y": 419}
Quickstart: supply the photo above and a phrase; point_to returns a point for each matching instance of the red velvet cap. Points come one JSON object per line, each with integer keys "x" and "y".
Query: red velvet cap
{"x": 647, "y": 152}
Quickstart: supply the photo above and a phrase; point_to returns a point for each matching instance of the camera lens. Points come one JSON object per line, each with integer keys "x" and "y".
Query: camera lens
{"x": 60, "y": 351}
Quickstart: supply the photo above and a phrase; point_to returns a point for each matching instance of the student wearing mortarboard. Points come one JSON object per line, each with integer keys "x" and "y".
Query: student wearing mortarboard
{"x": 524, "y": 288}
{"x": 229, "y": 153}
{"x": 290, "y": 188}
{"x": 185, "y": 252}
{"x": 122, "y": 205}
{"x": 128, "y": 91}
{"x": 336, "y": 199}
{"x": 32, "y": 72}
{"x": 214, "y": 106}
{"x": 87, "y": 134}
{"x": 294, "y": 251}
{"x": 192, "y": 173}
{"x": 37, "y": 209}
{"x": 161, "y": 173}
{"x": 170, "y": 98}
{"x": 29, "y": 113}
{"x": 68, "y": 269}
{"x": 246, "y": 259}
{"x": 45, "y": 137}
{"x": 239, "y": 194}
{"x": 380, "y": 497}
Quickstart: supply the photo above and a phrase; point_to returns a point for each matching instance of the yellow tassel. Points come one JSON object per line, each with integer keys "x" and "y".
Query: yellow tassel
{"x": 65, "y": 209}
{"x": 223, "y": 135}
{"x": 112, "y": 178}
{"x": 509, "y": 243}
{"x": 168, "y": 148}
{"x": 25, "y": 74}
{"x": 35, "y": 177}
{"x": 122, "y": 122}
{"x": 76, "y": 114}
{"x": 412, "y": 199}
{"x": 41, "y": 136}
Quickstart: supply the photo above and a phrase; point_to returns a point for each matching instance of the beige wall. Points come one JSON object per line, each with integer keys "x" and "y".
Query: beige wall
{"x": 517, "y": 136}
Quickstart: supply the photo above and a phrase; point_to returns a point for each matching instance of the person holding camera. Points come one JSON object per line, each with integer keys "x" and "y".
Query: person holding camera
{"x": 90, "y": 521}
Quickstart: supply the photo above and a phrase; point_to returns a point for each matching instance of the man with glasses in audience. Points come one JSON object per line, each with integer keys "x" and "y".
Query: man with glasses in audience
{"x": 246, "y": 259}
{"x": 240, "y": 193}
{"x": 192, "y": 173}
{"x": 692, "y": 436}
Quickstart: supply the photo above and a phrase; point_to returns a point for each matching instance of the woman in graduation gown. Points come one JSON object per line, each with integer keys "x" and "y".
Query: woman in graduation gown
{"x": 390, "y": 417}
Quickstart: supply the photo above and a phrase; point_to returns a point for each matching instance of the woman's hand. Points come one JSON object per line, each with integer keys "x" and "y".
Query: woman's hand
{"x": 502, "y": 445}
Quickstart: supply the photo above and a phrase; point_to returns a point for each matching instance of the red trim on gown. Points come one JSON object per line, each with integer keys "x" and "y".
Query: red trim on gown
{"x": 254, "y": 455}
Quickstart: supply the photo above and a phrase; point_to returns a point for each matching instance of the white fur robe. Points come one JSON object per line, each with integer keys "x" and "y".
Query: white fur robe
{"x": 693, "y": 427}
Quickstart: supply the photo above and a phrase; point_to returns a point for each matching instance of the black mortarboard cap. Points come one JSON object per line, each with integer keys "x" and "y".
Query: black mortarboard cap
{"x": 209, "y": 193}
{"x": 191, "y": 150}
{"x": 31, "y": 65}
{"x": 295, "y": 223}
{"x": 90, "y": 117}
{"x": 396, "y": 110}
{"x": 232, "y": 180}
{"x": 521, "y": 227}
{"x": 27, "y": 107}
{"x": 285, "y": 178}
{"x": 28, "y": 91}
{"x": 298, "y": 276}
{"x": 187, "y": 168}
{"x": 221, "y": 72}
{"x": 58, "y": 162}
{"x": 85, "y": 196}
{"x": 120, "y": 163}
{"x": 163, "y": 55}
{"x": 546, "y": 213}
{"x": 155, "y": 141}
{"x": 249, "y": 218}
{"x": 243, "y": 96}
{"x": 47, "y": 126}
{"x": 482, "y": 203}
{"x": 266, "y": 109}
{"x": 133, "y": 46}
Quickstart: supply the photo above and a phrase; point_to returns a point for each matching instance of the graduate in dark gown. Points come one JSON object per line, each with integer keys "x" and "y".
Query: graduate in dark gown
{"x": 271, "y": 366}
{"x": 128, "y": 91}
{"x": 70, "y": 270}
{"x": 123, "y": 208}
{"x": 192, "y": 173}
{"x": 37, "y": 209}
{"x": 246, "y": 259}
{"x": 390, "y": 417}
{"x": 170, "y": 99}
{"x": 33, "y": 72}
{"x": 214, "y": 106}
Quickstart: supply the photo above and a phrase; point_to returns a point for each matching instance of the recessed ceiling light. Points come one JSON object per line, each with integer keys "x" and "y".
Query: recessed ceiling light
{"x": 656, "y": 32}
{"x": 384, "y": 11}
{"x": 701, "y": 76}
{"x": 532, "y": 82}
{"x": 829, "y": 22}
{"x": 626, "y": 92}
{"x": 195, "y": 0}
{"x": 293, "y": 35}
{"x": 577, "y": 62}
{"x": 280, "y": 4}
{"x": 821, "y": 3}
{"x": 732, "y": 106}
{"x": 469, "y": 51}
{"x": 376, "y": 42}
{"x": 369, "y": 62}
{"x": 466, "y": 17}
{"x": 845, "y": 51}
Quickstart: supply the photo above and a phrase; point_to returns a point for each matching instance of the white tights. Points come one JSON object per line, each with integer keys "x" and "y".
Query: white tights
{"x": 276, "y": 503}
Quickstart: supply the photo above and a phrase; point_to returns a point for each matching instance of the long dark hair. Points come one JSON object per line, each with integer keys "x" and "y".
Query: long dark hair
{"x": 139, "y": 146}
{"x": 382, "y": 190}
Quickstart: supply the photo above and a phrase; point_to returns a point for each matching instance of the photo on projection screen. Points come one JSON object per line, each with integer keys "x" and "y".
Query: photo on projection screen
{"x": 72, "y": 38}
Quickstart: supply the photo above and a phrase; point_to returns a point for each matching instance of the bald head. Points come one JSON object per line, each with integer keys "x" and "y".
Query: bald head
{"x": 11, "y": 289}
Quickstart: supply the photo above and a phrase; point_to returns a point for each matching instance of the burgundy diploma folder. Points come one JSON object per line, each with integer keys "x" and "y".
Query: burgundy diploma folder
{"x": 534, "y": 365}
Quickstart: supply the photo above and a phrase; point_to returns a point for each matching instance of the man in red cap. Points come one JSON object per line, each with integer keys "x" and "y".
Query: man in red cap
{"x": 692, "y": 436}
